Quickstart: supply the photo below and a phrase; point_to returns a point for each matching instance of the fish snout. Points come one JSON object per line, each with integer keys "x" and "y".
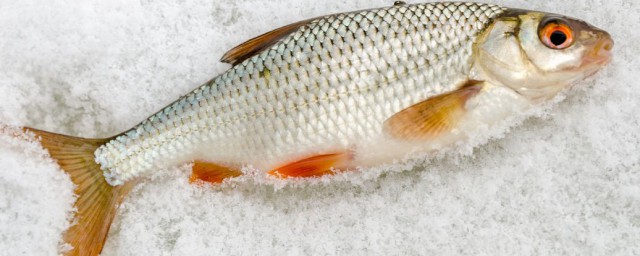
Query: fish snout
{"x": 604, "y": 45}
{"x": 601, "y": 51}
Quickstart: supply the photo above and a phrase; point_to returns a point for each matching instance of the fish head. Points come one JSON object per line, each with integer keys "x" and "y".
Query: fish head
{"x": 539, "y": 54}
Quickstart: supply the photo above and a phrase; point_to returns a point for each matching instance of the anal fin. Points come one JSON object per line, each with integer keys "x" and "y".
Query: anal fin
{"x": 434, "y": 116}
{"x": 211, "y": 172}
{"x": 314, "y": 166}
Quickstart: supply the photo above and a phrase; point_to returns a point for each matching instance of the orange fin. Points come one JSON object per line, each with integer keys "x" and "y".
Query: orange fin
{"x": 212, "y": 173}
{"x": 432, "y": 117}
{"x": 97, "y": 201}
{"x": 314, "y": 166}
{"x": 255, "y": 45}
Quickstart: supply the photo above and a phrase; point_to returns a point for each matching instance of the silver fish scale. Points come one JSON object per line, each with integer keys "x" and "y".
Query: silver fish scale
{"x": 330, "y": 85}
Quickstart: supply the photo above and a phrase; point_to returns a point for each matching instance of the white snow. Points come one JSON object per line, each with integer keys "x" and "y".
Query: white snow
{"x": 564, "y": 183}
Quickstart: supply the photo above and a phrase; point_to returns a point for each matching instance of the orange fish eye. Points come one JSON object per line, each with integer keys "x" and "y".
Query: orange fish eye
{"x": 556, "y": 35}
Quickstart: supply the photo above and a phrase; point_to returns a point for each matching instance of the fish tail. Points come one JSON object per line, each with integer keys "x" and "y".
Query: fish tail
{"x": 97, "y": 201}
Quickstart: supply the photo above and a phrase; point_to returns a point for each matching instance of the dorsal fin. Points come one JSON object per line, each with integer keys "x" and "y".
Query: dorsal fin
{"x": 255, "y": 45}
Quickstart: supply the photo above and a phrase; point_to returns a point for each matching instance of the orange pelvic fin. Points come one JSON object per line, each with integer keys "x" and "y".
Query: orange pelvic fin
{"x": 432, "y": 117}
{"x": 315, "y": 166}
{"x": 211, "y": 172}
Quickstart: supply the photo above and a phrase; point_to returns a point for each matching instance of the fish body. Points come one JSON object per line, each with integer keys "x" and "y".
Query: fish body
{"x": 328, "y": 86}
{"x": 339, "y": 92}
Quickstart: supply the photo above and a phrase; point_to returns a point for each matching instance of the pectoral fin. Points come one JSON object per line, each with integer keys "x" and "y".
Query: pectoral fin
{"x": 315, "y": 166}
{"x": 211, "y": 172}
{"x": 432, "y": 117}
{"x": 255, "y": 45}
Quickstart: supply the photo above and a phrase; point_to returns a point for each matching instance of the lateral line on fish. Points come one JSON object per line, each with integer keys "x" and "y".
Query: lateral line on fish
{"x": 261, "y": 114}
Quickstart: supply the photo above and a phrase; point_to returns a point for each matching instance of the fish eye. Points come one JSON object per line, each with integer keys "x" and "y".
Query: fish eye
{"x": 556, "y": 34}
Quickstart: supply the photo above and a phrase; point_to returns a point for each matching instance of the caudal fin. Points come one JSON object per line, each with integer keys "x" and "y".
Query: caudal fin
{"x": 97, "y": 200}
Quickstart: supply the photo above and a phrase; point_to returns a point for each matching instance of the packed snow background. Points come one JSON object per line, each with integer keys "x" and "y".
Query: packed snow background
{"x": 567, "y": 182}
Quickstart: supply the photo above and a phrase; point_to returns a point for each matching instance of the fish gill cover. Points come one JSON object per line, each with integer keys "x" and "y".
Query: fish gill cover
{"x": 565, "y": 181}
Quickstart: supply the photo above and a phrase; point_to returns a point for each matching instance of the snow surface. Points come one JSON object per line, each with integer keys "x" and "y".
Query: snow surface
{"x": 563, "y": 183}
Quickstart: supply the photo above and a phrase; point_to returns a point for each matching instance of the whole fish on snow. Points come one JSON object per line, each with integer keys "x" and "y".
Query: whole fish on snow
{"x": 338, "y": 92}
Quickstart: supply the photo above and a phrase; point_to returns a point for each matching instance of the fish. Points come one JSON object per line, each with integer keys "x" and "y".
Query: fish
{"x": 337, "y": 93}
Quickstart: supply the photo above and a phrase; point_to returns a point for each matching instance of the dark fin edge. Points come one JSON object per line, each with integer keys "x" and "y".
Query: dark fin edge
{"x": 257, "y": 44}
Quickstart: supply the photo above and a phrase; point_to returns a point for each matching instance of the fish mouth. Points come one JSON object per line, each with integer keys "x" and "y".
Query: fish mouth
{"x": 600, "y": 53}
